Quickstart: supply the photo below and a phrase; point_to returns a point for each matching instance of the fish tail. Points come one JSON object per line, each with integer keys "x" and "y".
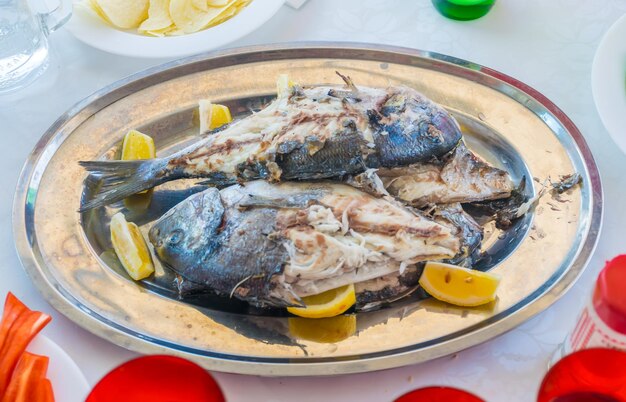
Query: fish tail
{"x": 120, "y": 179}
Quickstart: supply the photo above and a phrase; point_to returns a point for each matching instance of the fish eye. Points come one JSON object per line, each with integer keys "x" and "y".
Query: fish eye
{"x": 175, "y": 237}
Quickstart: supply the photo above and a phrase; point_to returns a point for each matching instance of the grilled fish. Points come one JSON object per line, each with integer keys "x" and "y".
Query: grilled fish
{"x": 374, "y": 293}
{"x": 310, "y": 133}
{"x": 460, "y": 176}
{"x": 272, "y": 244}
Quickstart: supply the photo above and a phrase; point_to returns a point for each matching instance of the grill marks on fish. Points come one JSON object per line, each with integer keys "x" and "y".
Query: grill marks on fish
{"x": 313, "y": 133}
{"x": 223, "y": 150}
{"x": 304, "y": 244}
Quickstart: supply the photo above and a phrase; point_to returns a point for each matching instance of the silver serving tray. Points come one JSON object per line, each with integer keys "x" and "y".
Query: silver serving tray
{"x": 68, "y": 256}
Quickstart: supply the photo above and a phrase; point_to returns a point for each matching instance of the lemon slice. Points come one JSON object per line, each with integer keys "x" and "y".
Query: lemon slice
{"x": 137, "y": 145}
{"x": 212, "y": 115}
{"x": 458, "y": 285}
{"x": 131, "y": 247}
{"x": 328, "y": 304}
{"x": 283, "y": 85}
{"x": 323, "y": 330}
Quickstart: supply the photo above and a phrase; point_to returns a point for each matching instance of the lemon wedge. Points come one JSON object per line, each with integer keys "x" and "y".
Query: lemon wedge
{"x": 137, "y": 146}
{"x": 283, "y": 85}
{"x": 458, "y": 285}
{"x": 327, "y": 304}
{"x": 323, "y": 330}
{"x": 212, "y": 115}
{"x": 131, "y": 247}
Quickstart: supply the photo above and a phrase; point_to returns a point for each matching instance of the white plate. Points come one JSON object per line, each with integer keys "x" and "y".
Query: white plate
{"x": 608, "y": 81}
{"x": 92, "y": 30}
{"x": 68, "y": 382}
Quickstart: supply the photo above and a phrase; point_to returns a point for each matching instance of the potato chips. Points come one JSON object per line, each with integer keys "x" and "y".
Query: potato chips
{"x": 167, "y": 17}
{"x": 123, "y": 14}
{"x": 159, "y": 20}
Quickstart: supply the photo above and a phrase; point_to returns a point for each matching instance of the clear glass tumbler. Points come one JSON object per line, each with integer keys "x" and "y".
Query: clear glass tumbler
{"x": 24, "y": 40}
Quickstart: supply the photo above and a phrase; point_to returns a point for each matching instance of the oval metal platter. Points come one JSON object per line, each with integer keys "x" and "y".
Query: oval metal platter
{"x": 69, "y": 256}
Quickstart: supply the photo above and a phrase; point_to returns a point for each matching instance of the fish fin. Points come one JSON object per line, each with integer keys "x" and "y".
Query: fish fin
{"x": 368, "y": 182}
{"x": 375, "y": 305}
{"x": 348, "y": 81}
{"x": 120, "y": 179}
{"x": 505, "y": 210}
{"x": 216, "y": 182}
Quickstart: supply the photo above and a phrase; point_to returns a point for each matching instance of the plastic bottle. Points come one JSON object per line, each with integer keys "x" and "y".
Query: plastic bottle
{"x": 602, "y": 323}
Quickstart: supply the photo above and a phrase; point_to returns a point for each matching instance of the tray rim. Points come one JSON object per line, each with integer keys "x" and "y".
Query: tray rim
{"x": 22, "y": 213}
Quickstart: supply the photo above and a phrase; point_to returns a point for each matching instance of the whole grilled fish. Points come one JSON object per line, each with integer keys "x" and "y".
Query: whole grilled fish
{"x": 310, "y": 133}
{"x": 272, "y": 244}
{"x": 374, "y": 293}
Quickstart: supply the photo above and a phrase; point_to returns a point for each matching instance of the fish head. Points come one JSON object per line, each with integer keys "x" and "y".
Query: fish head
{"x": 187, "y": 232}
{"x": 412, "y": 129}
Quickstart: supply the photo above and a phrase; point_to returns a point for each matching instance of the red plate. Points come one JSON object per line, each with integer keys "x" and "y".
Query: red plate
{"x": 438, "y": 394}
{"x": 157, "y": 379}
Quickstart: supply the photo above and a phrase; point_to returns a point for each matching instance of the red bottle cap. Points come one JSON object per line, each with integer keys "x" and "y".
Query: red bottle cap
{"x": 609, "y": 297}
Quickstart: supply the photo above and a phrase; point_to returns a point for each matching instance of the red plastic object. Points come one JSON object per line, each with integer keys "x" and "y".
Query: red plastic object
{"x": 609, "y": 297}
{"x": 438, "y": 394}
{"x": 587, "y": 375}
{"x": 157, "y": 379}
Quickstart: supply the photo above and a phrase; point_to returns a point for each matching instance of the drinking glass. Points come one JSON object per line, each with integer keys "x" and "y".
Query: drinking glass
{"x": 24, "y": 40}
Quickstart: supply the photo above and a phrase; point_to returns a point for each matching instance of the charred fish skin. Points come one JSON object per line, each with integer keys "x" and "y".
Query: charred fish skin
{"x": 272, "y": 244}
{"x": 467, "y": 229}
{"x": 313, "y": 133}
{"x": 339, "y": 156}
{"x": 410, "y": 129}
{"x": 376, "y": 293}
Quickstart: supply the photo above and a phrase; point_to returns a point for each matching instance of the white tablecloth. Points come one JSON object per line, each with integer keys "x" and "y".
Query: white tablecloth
{"x": 547, "y": 44}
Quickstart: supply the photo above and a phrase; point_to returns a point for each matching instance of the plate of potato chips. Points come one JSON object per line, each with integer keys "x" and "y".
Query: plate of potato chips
{"x": 166, "y": 28}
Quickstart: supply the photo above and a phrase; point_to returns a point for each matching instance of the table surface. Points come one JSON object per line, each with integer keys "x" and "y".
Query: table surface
{"x": 547, "y": 44}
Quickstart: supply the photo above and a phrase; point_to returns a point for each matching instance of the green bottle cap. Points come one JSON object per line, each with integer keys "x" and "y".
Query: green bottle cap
{"x": 463, "y": 10}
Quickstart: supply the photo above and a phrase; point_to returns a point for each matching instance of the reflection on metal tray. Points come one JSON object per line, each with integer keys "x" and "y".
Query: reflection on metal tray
{"x": 69, "y": 256}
